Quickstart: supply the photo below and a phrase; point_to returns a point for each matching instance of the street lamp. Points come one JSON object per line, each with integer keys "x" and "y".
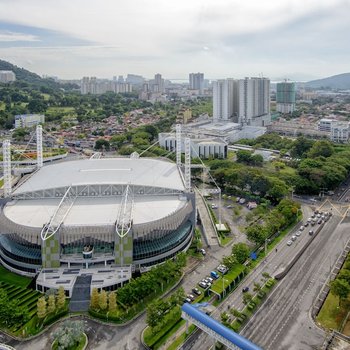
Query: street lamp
{"x": 223, "y": 287}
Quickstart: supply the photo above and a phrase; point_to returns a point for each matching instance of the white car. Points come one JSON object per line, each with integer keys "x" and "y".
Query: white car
{"x": 298, "y": 233}
{"x": 301, "y": 228}
{"x": 289, "y": 242}
{"x": 294, "y": 238}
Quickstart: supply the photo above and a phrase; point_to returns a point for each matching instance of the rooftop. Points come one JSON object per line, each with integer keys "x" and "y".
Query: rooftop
{"x": 140, "y": 171}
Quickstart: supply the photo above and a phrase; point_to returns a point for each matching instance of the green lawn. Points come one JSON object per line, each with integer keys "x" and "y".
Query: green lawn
{"x": 12, "y": 278}
{"x": 330, "y": 315}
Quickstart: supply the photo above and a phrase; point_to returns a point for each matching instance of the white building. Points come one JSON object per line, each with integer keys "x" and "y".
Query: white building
{"x": 325, "y": 124}
{"x": 339, "y": 132}
{"x": 245, "y": 101}
{"x": 224, "y": 99}
{"x": 28, "y": 120}
{"x": 158, "y": 85}
{"x": 254, "y": 102}
{"x": 196, "y": 81}
{"x": 209, "y": 147}
{"x": 7, "y": 76}
{"x": 94, "y": 86}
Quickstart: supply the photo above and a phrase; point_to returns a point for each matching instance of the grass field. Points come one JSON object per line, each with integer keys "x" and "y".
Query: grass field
{"x": 12, "y": 278}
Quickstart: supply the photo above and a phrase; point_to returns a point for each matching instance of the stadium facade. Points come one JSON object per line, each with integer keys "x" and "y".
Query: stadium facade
{"x": 95, "y": 214}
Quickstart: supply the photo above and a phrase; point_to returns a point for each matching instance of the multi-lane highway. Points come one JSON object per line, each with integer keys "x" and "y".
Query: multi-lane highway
{"x": 283, "y": 321}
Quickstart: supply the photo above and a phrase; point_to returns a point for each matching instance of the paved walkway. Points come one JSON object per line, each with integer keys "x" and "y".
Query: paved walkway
{"x": 208, "y": 229}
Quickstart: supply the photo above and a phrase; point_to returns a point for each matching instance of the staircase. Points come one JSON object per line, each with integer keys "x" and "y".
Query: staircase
{"x": 80, "y": 299}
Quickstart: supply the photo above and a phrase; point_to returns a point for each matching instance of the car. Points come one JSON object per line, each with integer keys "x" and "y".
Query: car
{"x": 203, "y": 285}
{"x": 294, "y": 238}
{"x": 311, "y": 232}
{"x": 214, "y": 275}
{"x": 289, "y": 243}
{"x": 187, "y": 300}
{"x": 214, "y": 206}
{"x": 205, "y": 280}
{"x": 309, "y": 220}
{"x": 298, "y": 233}
{"x": 229, "y": 206}
{"x": 306, "y": 224}
{"x": 301, "y": 228}
{"x": 210, "y": 279}
{"x": 203, "y": 252}
{"x": 238, "y": 199}
{"x": 245, "y": 290}
{"x": 222, "y": 268}
{"x": 190, "y": 296}
{"x": 196, "y": 291}
{"x": 312, "y": 200}
{"x": 313, "y": 222}
{"x": 319, "y": 221}
{"x": 316, "y": 212}
{"x": 313, "y": 216}
{"x": 242, "y": 201}
{"x": 318, "y": 215}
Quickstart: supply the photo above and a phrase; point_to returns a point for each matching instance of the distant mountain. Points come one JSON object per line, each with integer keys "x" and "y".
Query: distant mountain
{"x": 340, "y": 81}
{"x": 24, "y": 77}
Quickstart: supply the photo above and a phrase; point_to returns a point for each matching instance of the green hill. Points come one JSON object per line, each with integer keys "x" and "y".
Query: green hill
{"x": 26, "y": 78}
{"x": 336, "y": 82}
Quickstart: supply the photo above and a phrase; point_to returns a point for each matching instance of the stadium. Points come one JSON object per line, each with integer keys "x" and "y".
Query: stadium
{"x": 97, "y": 215}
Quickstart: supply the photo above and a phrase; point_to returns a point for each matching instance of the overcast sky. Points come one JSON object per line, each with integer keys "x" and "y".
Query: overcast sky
{"x": 295, "y": 39}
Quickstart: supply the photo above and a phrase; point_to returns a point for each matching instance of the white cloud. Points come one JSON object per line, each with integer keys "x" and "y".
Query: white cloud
{"x": 215, "y": 36}
{"x": 7, "y": 36}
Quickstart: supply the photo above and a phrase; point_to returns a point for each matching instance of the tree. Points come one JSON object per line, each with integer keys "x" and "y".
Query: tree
{"x": 321, "y": 148}
{"x": 257, "y": 287}
{"x": 256, "y": 233}
{"x": 51, "y": 305}
{"x": 247, "y": 298}
{"x": 102, "y": 300}
{"x": 41, "y": 306}
{"x": 112, "y": 301}
{"x": 61, "y": 298}
{"x": 69, "y": 334}
{"x": 340, "y": 288}
{"x": 244, "y": 156}
{"x": 240, "y": 252}
{"x": 229, "y": 261}
{"x": 94, "y": 302}
{"x": 266, "y": 275}
{"x": 101, "y": 144}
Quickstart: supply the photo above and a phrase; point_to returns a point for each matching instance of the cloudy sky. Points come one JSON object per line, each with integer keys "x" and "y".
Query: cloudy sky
{"x": 295, "y": 39}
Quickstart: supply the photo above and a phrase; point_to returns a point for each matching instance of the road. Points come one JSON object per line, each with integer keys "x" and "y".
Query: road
{"x": 283, "y": 322}
{"x": 285, "y": 313}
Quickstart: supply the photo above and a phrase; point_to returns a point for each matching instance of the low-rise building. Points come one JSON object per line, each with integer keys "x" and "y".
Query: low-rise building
{"x": 28, "y": 120}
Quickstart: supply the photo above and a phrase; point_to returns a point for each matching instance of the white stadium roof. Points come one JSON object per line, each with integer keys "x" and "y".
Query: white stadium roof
{"x": 139, "y": 171}
{"x": 91, "y": 211}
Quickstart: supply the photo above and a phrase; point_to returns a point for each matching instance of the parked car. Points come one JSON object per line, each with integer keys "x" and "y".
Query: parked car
{"x": 222, "y": 268}
{"x": 214, "y": 275}
{"x": 229, "y": 206}
{"x": 203, "y": 251}
{"x": 196, "y": 291}
{"x": 210, "y": 279}
{"x": 191, "y": 297}
{"x": 289, "y": 243}
{"x": 214, "y": 206}
{"x": 298, "y": 233}
{"x": 311, "y": 232}
{"x": 319, "y": 221}
{"x": 187, "y": 300}
{"x": 203, "y": 285}
{"x": 306, "y": 224}
{"x": 294, "y": 238}
{"x": 301, "y": 228}
{"x": 245, "y": 289}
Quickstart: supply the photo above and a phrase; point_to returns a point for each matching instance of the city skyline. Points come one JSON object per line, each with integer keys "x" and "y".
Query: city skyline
{"x": 286, "y": 39}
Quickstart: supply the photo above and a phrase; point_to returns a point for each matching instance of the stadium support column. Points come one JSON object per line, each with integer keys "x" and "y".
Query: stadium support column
{"x": 188, "y": 164}
{"x": 178, "y": 144}
{"x": 50, "y": 251}
{"x": 6, "y": 151}
{"x": 39, "y": 145}
{"x": 123, "y": 249}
